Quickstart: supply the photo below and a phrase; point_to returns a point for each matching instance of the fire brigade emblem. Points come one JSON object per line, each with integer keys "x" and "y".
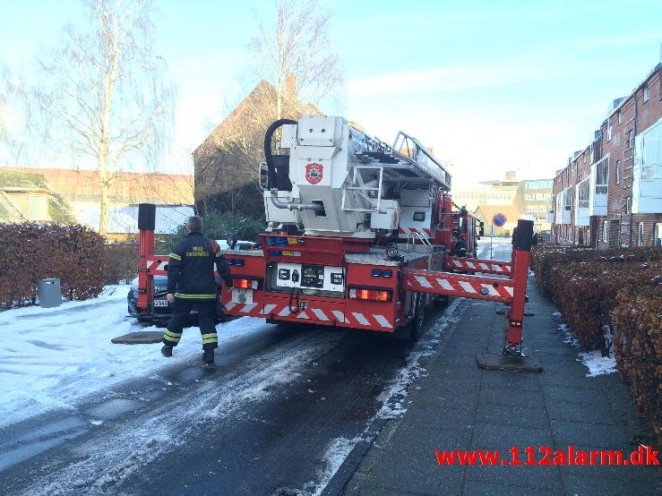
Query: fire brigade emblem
{"x": 314, "y": 173}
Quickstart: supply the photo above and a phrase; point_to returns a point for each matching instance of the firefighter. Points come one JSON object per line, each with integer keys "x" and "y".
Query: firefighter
{"x": 191, "y": 282}
{"x": 460, "y": 247}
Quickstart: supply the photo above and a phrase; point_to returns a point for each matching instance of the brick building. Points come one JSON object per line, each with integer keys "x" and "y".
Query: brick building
{"x": 610, "y": 193}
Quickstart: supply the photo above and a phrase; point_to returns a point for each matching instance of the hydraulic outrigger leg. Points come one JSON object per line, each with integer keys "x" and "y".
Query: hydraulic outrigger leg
{"x": 509, "y": 290}
{"x": 512, "y": 357}
{"x": 520, "y": 267}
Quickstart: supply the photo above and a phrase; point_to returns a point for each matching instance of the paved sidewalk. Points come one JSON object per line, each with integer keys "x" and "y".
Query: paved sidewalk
{"x": 459, "y": 406}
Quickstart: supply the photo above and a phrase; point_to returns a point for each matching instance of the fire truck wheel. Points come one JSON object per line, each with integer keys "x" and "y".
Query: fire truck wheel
{"x": 416, "y": 325}
{"x": 441, "y": 301}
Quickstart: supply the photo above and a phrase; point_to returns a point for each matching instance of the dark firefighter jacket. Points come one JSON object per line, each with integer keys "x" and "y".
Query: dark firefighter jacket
{"x": 191, "y": 268}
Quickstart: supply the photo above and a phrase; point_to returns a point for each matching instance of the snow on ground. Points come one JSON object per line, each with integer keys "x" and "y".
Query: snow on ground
{"x": 598, "y": 364}
{"x": 53, "y": 357}
{"x": 393, "y": 397}
{"x": 593, "y": 360}
{"x": 499, "y": 249}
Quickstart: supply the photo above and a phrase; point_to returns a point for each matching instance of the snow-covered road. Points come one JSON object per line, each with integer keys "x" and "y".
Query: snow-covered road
{"x": 53, "y": 357}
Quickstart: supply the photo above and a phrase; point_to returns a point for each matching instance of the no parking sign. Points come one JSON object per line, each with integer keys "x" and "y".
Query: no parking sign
{"x": 499, "y": 220}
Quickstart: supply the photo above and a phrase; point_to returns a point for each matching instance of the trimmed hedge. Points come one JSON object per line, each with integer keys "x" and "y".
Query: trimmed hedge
{"x": 620, "y": 290}
{"x": 31, "y": 252}
{"x": 121, "y": 259}
{"x": 638, "y": 341}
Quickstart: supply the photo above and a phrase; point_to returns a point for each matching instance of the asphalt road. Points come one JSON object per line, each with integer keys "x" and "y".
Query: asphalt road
{"x": 244, "y": 427}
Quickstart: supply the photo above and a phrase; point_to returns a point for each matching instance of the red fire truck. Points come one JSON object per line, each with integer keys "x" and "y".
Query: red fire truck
{"x": 361, "y": 235}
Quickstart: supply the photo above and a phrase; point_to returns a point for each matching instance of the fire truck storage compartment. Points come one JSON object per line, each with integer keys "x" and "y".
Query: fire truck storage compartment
{"x": 322, "y": 279}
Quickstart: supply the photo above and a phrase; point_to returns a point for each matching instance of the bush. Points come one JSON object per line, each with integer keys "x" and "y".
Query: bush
{"x": 620, "y": 290}
{"x": 121, "y": 259}
{"x": 638, "y": 339}
{"x": 218, "y": 225}
{"x": 72, "y": 253}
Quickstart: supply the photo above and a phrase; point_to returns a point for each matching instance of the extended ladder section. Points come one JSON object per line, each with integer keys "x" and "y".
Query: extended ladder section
{"x": 407, "y": 160}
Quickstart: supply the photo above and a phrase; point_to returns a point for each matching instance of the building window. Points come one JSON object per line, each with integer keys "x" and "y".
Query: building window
{"x": 658, "y": 234}
{"x": 583, "y": 194}
{"x": 568, "y": 198}
{"x": 646, "y": 93}
{"x": 605, "y": 231}
{"x": 628, "y": 204}
{"x": 618, "y": 172}
{"x": 38, "y": 207}
{"x": 608, "y": 129}
{"x": 640, "y": 234}
{"x": 601, "y": 178}
{"x": 620, "y": 117}
{"x": 652, "y": 153}
{"x": 630, "y": 140}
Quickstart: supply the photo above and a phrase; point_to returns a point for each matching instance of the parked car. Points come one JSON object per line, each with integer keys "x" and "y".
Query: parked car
{"x": 162, "y": 310}
{"x": 545, "y": 237}
{"x": 239, "y": 245}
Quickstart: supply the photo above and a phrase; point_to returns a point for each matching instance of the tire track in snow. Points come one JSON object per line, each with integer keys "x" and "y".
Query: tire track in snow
{"x": 105, "y": 461}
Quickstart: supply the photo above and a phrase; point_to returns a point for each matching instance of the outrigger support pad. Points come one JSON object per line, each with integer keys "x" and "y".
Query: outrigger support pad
{"x": 510, "y": 363}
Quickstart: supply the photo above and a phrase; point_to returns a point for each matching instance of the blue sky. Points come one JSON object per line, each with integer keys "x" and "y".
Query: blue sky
{"x": 491, "y": 85}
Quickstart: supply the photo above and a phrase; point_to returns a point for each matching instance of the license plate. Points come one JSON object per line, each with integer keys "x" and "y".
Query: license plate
{"x": 244, "y": 296}
{"x": 160, "y": 303}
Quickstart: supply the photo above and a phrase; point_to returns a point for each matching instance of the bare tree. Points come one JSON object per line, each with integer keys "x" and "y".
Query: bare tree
{"x": 106, "y": 99}
{"x": 296, "y": 69}
{"x": 294, "y": 54}
{"x": 16, "y": 122}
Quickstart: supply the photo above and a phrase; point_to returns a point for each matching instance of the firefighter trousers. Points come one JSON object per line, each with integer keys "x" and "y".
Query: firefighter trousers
{"x": 207, "y": 322}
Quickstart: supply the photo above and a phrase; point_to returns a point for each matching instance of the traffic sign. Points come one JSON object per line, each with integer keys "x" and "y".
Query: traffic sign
{"x": 499, "y": 220}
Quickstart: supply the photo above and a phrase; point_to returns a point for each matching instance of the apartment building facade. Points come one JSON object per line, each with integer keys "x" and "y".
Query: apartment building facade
{"x": 610, "y": 193}
{"x": 529, "y": 199}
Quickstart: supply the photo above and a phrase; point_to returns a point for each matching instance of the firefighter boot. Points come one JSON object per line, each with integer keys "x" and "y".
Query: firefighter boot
{"x": 208, "y": 356}
{"x": 166, "y": 351}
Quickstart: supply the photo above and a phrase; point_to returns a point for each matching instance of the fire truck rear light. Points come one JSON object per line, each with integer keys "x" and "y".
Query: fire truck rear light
{"x": 387, "y": 273}
{"x": 370, "y": 294}
{"x": 376, "y": 273}
{"x": 245, "y": 283}
{"x": 239, "y": 262}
